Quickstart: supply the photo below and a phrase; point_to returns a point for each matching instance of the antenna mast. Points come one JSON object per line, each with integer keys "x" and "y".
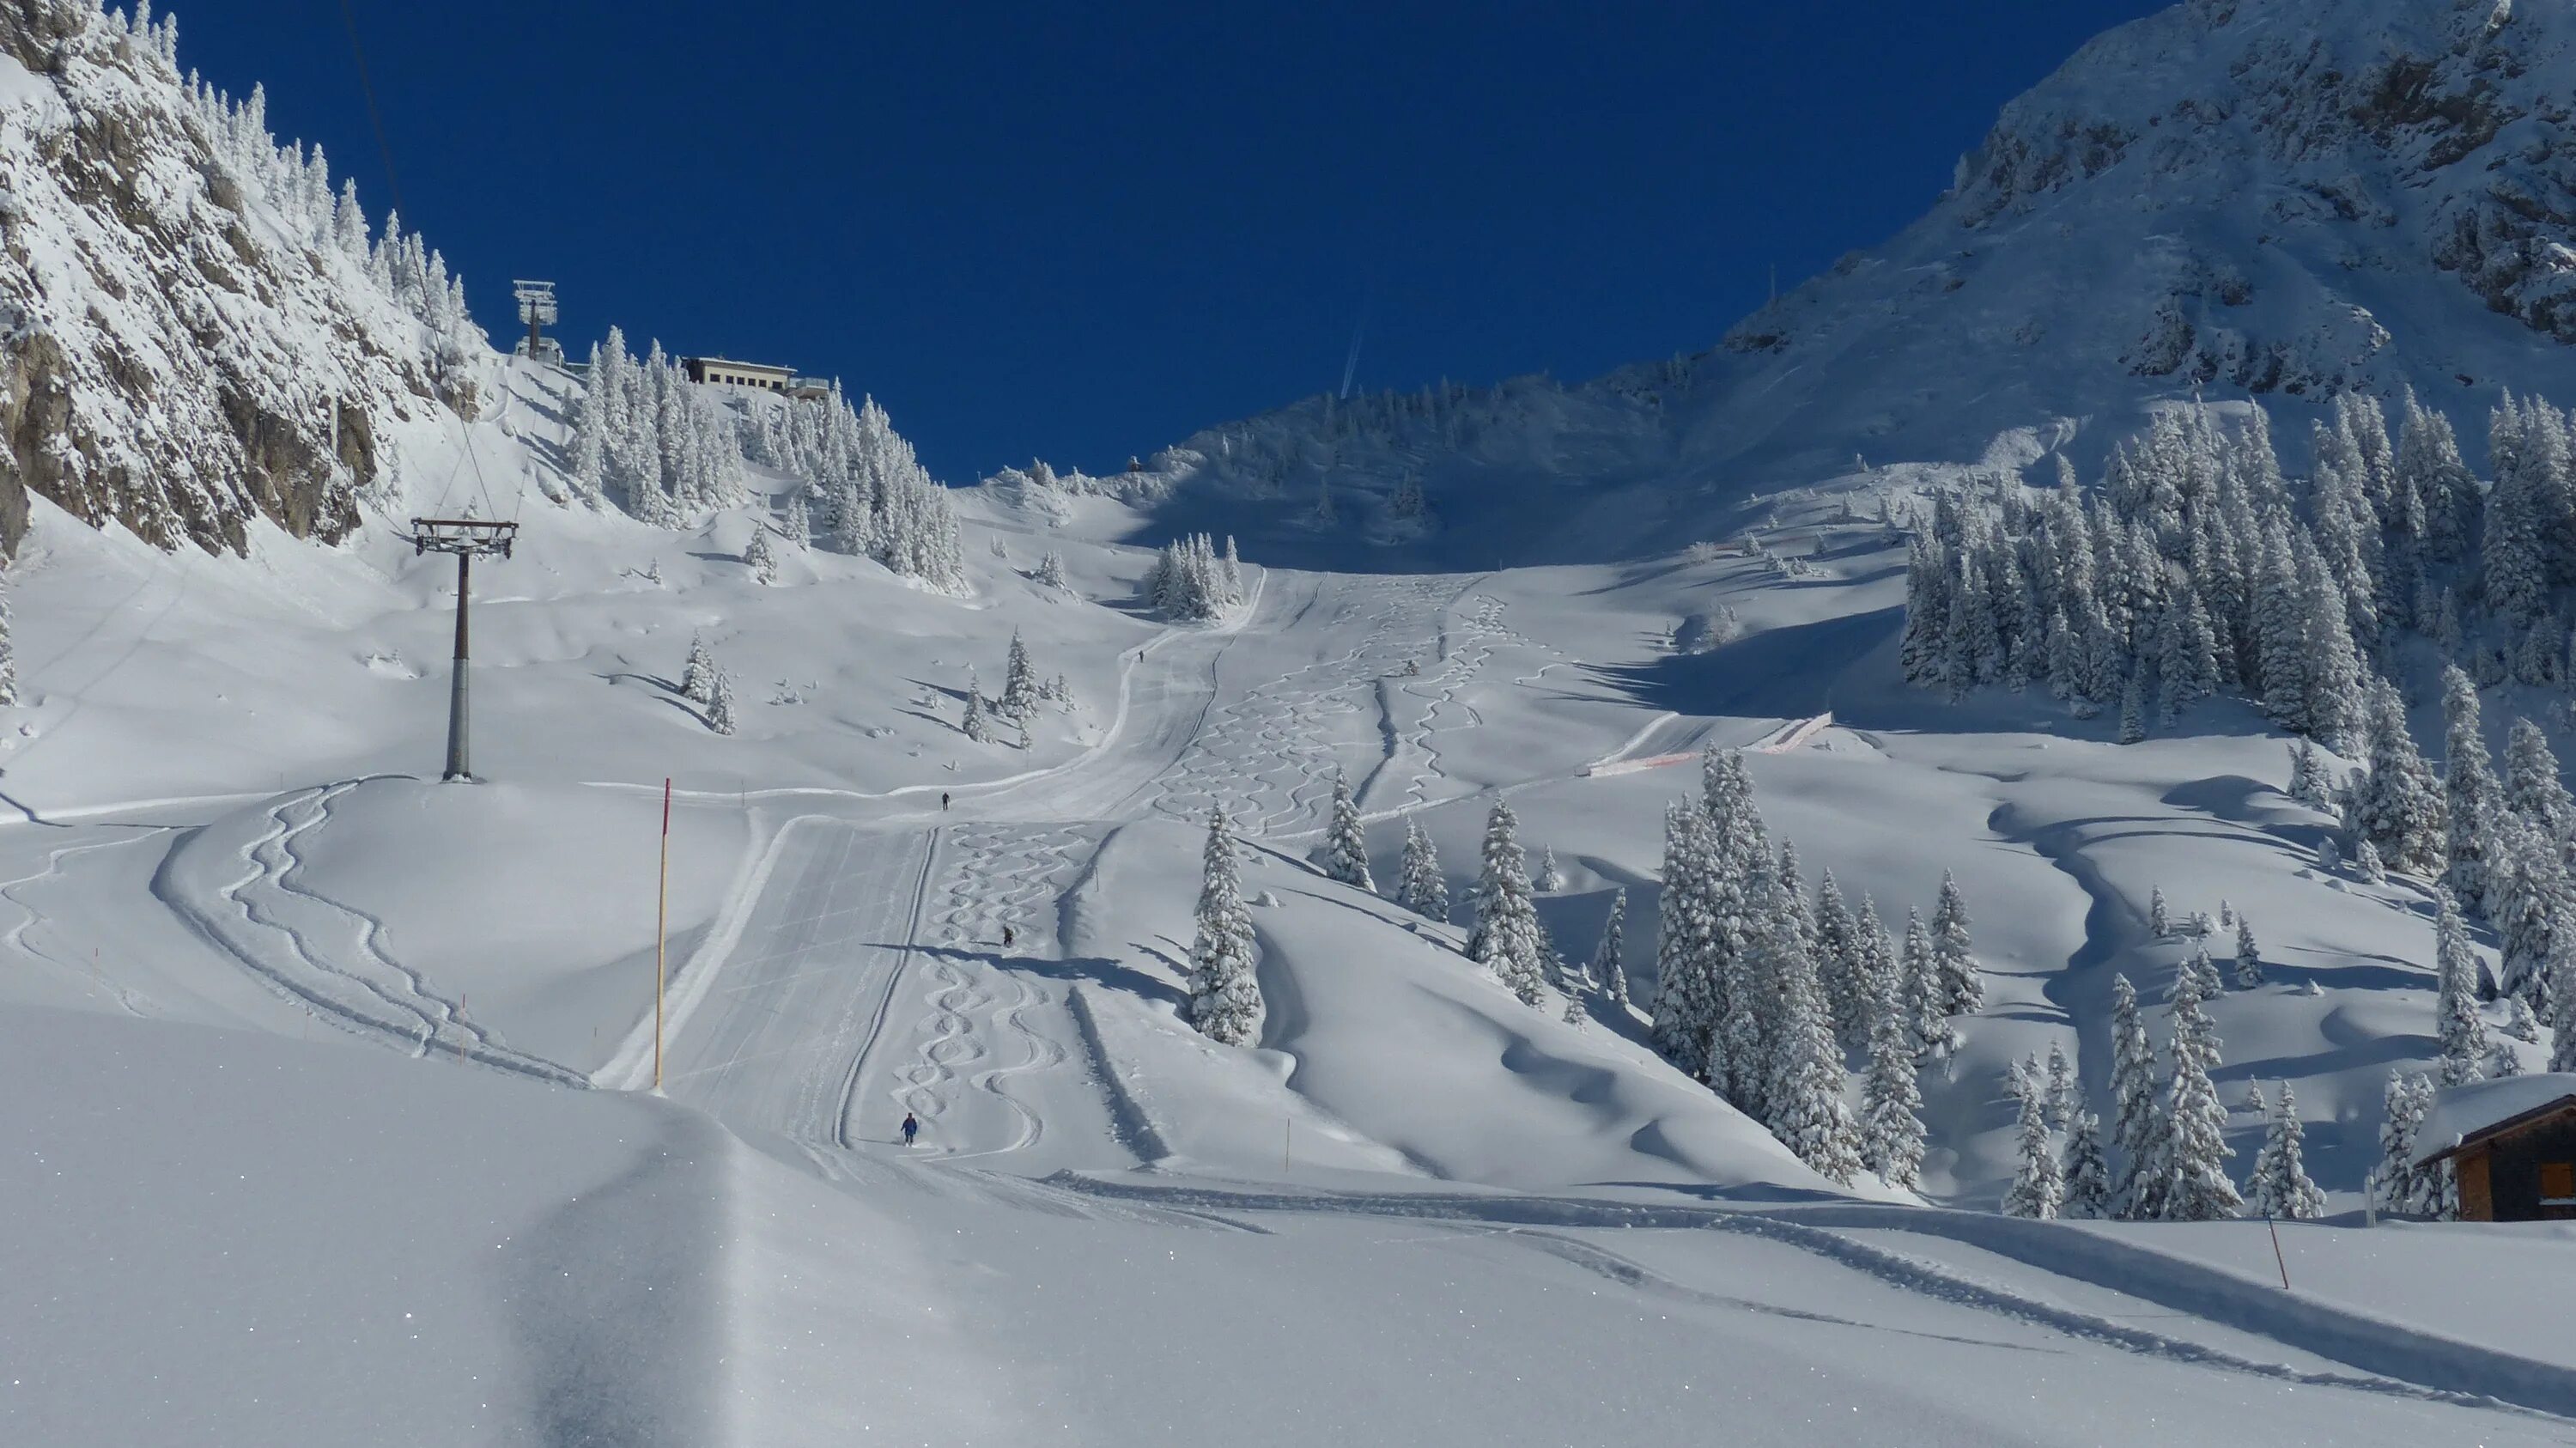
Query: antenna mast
{"x": 468, "y": 539}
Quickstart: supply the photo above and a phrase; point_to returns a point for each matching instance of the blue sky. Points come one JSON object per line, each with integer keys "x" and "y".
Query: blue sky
{"x": 1080, "y": 232}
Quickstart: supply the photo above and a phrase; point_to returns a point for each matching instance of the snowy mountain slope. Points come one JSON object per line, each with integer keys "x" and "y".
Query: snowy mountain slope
{"x": 197, "y": 332}
{"x": 2280, "y": 200}
{"x": 1113, "y": 1228}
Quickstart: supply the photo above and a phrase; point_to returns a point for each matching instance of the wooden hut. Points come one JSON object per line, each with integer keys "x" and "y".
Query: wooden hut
{"x": 2512, "y": 1142}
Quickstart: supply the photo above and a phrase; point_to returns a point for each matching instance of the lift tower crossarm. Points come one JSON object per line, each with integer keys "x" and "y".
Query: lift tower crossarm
{"x": 468, "y": 539}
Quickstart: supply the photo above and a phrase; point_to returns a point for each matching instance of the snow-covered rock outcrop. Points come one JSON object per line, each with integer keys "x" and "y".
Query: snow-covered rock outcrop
{"x": 195, "y": 331}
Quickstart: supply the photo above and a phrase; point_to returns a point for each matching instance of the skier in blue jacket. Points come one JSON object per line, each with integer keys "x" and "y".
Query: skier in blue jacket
{"x": 910, "y": 1128}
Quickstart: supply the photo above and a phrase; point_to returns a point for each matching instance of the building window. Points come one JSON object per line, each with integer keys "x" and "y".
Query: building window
{"x": 2558, "y": 1180}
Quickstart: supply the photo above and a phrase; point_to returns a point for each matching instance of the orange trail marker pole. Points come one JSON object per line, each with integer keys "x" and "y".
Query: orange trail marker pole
{"x": 661, "y": 932}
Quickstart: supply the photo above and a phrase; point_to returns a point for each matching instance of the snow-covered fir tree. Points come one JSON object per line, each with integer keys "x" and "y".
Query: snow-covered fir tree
{"x": 1189, "y": 583}
{"x": 2037, "y": 1189}
{"x": 2401, "y": 810}
{"x": 1419, "y": 885}
{"x": 2528, "y": 901}
{"x": 720, "y": 703}
{"x": 2366, "y": 863}
{"x": 2086, "y": 1174}
{"x": 2562, "y": 1040}
{"x": 1344, "y": 855}
{"x": 698, "y": 675}
{"x": 878, "y": 501}
{"x": 1963, "y": 987}
{"x": 1804, "y": 1094}
{"x": 2249, "y": 956}
{"x": 1550, "y": 878}
{"x": 2532, "y": 787}
{"x": 1935, "y": 1039}
{"x": 2059, "y": 1087}
{"x": 2197, "y": 1188}
{"x": 2279, "y": 1185}
{"x": 799, "y": 522}
{"x": 2138, "y": 1126}
{"x": 8, "y": 655}
{"x": 1842, "y": 964}
{"x": 758, "y": 556}
{"x": 1609, "y": 967}
{"x": 1225, "y": 992}
{"x": 2401, "y": 1186}
{"x": 2159, "y": 918}
{"x": 2461, "y": 1030}
{"x": 2307, "y": 775}
{"x": 974, "y": 725}
{"x": 2470, "y": 792}
{"x": 1019, "y": 701}
{"x": 1891, "y": 1113}
{"x": 1506, "y": 939}
{"x": 1050, "y": 572}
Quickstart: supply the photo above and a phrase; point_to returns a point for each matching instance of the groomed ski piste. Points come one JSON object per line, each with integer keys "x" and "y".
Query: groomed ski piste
{"x": 332, "y": 1085}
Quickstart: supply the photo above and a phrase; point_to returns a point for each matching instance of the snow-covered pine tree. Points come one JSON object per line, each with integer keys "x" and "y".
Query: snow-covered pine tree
{"x": 2520, "y": 1023}
{"x": 2460, "y": 1029}
{"x": 1609, "y": 967}
{"x": 698, "y": 675}
{"x": 1891, "y": 1123}
{"x": 1804, "y": 1095}
{"x": 1963, "y": 988}
{"x": 2528, "y": 902}
{"x": 2562, "y": 1039}
{"x": 2059, "y": 1087}
{"x": 2138, "y": 1124}
{"x": 1550, "y": 878}
{"x": 974, "y": 726}
{"x": 2196, "y": 1182}
{"x": 2279, "y": 1185}
{"x": 720, "y": 703}
{"x": 2087, "y": 1176}
{"x": 1506, "y": 939}
{"x": 799, "y": 522}
{"x": 1225, "y": 993}
{"x": 1840, "y": 963}
{"x": 1935, "y": 1039}
{"x": 2159, "y": 918}
{"x": 2133, "y": 710}
{"x": 8, "y": 655}
{"x": 2037, "y": 1189}
{"x": 2532, "y": 787}
{"x": 1345, "y": 853}
{"x": 2398, "y": 1181}
{"x": 1687, "y": 999}
{"x": 2366, "y": 864}
{"x": 1019, "y": 701}
{"x": 2470, "y": 792}
{"x": 2401, "y": 811}
{"x": 757, "y": 555}
{"x": 1051, "y": 570}
{"x": 1419, "y": 886}
{"x": 2249, "y": 956}
{"x": 2307, "y": 777}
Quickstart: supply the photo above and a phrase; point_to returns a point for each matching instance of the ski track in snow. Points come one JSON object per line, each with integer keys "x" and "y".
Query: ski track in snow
{"x": 17, "y": 936}
{"x": 1003, "y": 875}
{"x": 1267, "y": 757}
{"x": 330, "y": 956}
{"x": 2409, "y": 1364}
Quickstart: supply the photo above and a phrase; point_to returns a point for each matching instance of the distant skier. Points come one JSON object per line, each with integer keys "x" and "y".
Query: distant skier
{"x": 1007, "y": 937}
{"x": 943, "y": 801}
{"x": 911, "y": 1128}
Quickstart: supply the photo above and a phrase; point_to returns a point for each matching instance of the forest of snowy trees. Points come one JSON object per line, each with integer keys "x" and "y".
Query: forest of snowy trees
{"x": 668, "y": 452}
{"x": 2199, "y": 568}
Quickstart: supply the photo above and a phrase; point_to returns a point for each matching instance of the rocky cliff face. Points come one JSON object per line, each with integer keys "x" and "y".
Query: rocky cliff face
{"x": 195, "y": 332}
